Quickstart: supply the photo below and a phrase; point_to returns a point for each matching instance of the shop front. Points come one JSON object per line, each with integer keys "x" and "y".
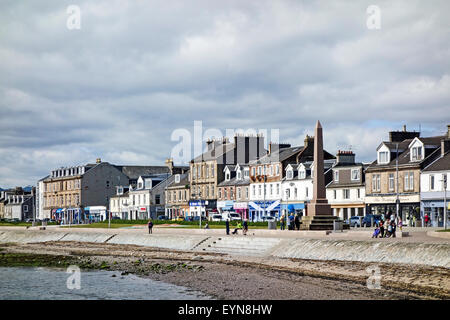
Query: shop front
{"x": 409, "y": 207}
{"x": 293, "y": 209}
{"x": 95, "y": 213}
{"x": 435, "y": 211}
{"x": 259, "y": 210}
{"x": 225, "y": 206}
{"x": 242, "y": 209}
{"x": 202, "y": 207}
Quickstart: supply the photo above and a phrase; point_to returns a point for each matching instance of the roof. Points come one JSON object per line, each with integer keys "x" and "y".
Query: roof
{"x": 278, "y": 155}
{"x": 440, "y": 164}
{"x": 216, "y": 152}
{"x": 134, "y": 172}
{"x": 404, "y": 152}
{"x": 184, "y": 180}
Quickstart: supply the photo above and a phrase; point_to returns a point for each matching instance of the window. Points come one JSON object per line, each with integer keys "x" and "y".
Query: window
{"x": 212, "y": 191}
{"x": 376, "y": 182}
{"x": 238, "y": 175}
{"x": 158, "y": 199}
{"x": 278, "y": 188}
{"x": 259, "y": 171}
{"x": 334, "y": 194}
{"x": 259, "y": 190}
{"x": 359, "y": 193}
{"x": 220, "y": 192}
{"x": 336, "y": 176}
{"x": 193, "y": 172}
{"x": 225, "y": 193}
{"x": 295, "y": 192}
{"x": 238, "y": 193}
{"x": 278, "y": 169}
{"x": 383, "y": 157}
{"x": 355, "y": 174}
{"x": 301, "y": 174}
{"x": 246, "y": 171}
{"x": 306, "y": 192}
{"x": 246, "y": 192}
{"x": 271, "y": 189}
{"x": 431, "y": 182}
{"x": 409, "y": 181}
{"x": 288, "y": 193}
{"x": 212, "y": 171}
{"x": 177, "y": 178}
{"x": 231, "y": 193}
{"x": 346, "y": 193}
{"x": 253, "y": 171}
{"x": 289, "y": 174}
{"x": 391, "y": 182}
{"x": 254, "y": 190}
{"x": 271, "y": 170}
{"x": 207, "y": 191}
{"x": 416, "y": 153}
{"x": 25, "y": 208}
{"x": 227, "y": 176}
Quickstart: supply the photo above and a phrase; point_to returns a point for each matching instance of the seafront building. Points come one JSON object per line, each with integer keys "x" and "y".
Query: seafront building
{"x": 207, "y": 169}
{"x": 233, "y": 192}
{"x": 434, "y": 179}
{"x": 177, "y": 196}
{"x": 394, "y": 178}
{"x": 346, "y": 188}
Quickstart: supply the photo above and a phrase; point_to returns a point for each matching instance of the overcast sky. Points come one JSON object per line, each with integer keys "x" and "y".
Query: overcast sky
{"x": 137, "y": 70}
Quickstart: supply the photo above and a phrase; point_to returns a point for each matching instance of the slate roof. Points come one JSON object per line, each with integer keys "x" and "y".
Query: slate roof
{"x": 184, "y": 180}
{"x": 134, "y": 172}
{"x": 441, "y": 164}
{"x": 215, "y": 152}
{"x": 278, "y": 155}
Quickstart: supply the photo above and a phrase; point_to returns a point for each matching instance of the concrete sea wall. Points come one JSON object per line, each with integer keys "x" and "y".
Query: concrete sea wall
{"x": 430, "y": 254}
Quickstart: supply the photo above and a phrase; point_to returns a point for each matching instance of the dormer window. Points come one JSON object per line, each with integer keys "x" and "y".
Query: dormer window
{"x": 289, "y": 174}
{"x": 246, "y": 172}
{"x": 383, "y": 157}
{"x": 336, "y": 176}
{"x": 355, "y": 174}
{"x": 238, "y": 175}
{"x": 140, "y": 185}
{"x": 177, "y": 178}
{"x": 302, "y": 174}
{"x": 227, "y": 176}
{"x": 416, "y": 154}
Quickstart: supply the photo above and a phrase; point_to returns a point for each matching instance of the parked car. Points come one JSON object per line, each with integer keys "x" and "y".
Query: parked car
{"x": 269, "y": 218}
{"x": 179, "y": 218}
{"x": 197, "y": 218}
{"x": 232, "y": 216}
{"x": 367, "y": 220}
{"x": 216, "y": 217}
{"x": 162, "y": 218}
{"x": 355, "y": 221}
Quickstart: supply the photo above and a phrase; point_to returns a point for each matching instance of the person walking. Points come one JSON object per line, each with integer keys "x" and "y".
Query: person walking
{"x": 227, "y": 226}
{"x": 282, "y": 222}
{"x": 297, "y": 222}
{"x": 150, "y": 226}
{"x": 245, "y": 229}
{"x": 394, "y": 227}
{"x": 400, "y": 224}
{"x": 381, "y": 228}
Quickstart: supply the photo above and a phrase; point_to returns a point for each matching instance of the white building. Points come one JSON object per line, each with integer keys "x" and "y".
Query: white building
{"x": 432, "y": 181}
{"x": 346, "y": 190}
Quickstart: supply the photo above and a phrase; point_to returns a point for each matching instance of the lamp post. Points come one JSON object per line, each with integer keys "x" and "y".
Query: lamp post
{"x": 444, "y": 184}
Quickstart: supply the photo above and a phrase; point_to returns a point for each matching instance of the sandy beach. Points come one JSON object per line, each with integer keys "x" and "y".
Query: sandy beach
{"x": 238, "y": 277}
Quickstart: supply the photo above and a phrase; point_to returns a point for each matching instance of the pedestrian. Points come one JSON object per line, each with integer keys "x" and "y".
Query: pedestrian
{"x": 291, "y": 222}
{"x": 400, "y": 223}
{"x": 376, "y": 232}
{"x": 150, "y": 226}
{"x": 245, "y": 229}
{"x": 282, "y": 222}
{"x": 381, "y": 228}
{"x": 297, "y": 222}
{"x": 238, "y": 227}
{"x": 427, "y": 219}
{"x": 394, "y": 227}
{"x": 207, "y": 226}
{"x": 227, "y": 226}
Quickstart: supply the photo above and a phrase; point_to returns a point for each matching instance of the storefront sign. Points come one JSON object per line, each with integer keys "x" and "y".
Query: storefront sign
{"x": 240, "y": 205}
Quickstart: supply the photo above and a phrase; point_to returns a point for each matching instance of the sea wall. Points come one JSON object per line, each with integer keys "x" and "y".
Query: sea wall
{"x": 431, "y": 254}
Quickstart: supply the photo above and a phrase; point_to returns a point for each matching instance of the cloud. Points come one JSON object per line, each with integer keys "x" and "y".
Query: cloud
{"x": 137, "y": 70}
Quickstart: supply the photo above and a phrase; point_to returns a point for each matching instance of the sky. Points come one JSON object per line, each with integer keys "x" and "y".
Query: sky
{"x": 135, "y": 71}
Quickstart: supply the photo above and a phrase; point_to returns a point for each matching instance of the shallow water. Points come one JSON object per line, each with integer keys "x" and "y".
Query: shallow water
{"x": 50, "y": 284}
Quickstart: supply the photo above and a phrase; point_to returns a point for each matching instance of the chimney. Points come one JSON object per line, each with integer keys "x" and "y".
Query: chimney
{"x": 169, "y": 164}
{"x": 347, "y": 157}
{"x": 308, "y": 141}
{"x": 399, "y": 136}
{"x": 445, "y": 146}
{"x": 99, "y": 160}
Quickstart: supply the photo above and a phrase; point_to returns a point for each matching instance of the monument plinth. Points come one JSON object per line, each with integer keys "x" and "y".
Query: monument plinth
{"x": 319, "y": 214}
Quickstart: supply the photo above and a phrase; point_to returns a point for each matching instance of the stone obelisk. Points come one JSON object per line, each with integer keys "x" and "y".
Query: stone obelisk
{"x": 319, "y": 204}
{"x": 318, "y": 215}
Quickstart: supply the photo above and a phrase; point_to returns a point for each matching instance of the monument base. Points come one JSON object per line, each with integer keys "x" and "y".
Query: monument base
{"x": 319, "y": 222}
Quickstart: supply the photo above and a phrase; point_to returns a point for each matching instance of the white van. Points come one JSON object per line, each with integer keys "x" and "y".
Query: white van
{"x": 231, "y": 215}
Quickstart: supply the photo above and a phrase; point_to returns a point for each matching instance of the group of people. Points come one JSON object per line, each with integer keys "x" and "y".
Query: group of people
{"x": 293, "y": 222}
{"x": 387, "y": 227}
{"x": 240, "y": 226}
